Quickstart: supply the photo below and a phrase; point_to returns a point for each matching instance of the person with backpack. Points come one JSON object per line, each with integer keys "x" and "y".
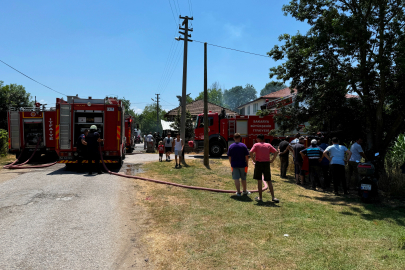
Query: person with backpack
{"x": 168, "y": 143}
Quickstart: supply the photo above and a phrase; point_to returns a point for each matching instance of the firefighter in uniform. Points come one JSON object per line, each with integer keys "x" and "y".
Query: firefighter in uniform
{"x": 82, "y": 147}
{"x": 93, "y": 140}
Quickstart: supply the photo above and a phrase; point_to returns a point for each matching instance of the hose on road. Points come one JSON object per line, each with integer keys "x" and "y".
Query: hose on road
{"x": 19, "y": 166}
{"x": 173, "y": 184}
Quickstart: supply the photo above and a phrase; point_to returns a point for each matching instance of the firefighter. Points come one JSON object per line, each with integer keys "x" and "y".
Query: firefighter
{"x": 93, "y": 140}
{"x": 82, "y": 147}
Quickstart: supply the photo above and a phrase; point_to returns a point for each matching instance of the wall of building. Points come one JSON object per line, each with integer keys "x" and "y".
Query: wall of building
{"x": 251, "y": 108}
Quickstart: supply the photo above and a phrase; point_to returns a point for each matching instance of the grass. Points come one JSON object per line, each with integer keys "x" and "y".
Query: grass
{"x": 4, "y": 160}
{"x": 188, "y": 229}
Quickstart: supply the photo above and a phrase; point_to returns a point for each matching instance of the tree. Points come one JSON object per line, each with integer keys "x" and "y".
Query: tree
{"x": 215, "y": 95}
{"x": 127, "y": 105}
{"x": 147, "y": 119}
{"x": 189, "y": 124}
{"x": 353, "y": 47}
{"x": 188, "y": 99}
{"x": 238, "y": 95}
{"x": 272, "y": 87}
{"x": 12, "y": 95}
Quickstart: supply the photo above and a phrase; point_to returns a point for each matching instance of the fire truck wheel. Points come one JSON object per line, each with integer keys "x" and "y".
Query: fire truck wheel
{"x": 216, "y": 149}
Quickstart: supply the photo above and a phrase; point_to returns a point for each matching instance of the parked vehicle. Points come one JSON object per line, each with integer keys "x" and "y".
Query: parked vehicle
{"x": 368, "y": 185}
{"x": 130, "y": 133}
{"x": 76, "y": 114}
{"x": 223, "y": 127}
{"x": 29, "y": 127}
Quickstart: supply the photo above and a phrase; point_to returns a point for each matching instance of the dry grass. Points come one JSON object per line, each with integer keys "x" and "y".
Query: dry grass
{"x": 191, "y": 229}
{"x": 6, "y": 160}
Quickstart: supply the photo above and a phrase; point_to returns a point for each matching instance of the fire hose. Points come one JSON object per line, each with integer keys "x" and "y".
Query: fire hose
{"x": 170, "y": 183}
{"x": 19, "y": 166}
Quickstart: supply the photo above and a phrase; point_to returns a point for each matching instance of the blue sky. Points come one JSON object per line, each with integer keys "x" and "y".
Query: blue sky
{"x": 127, "y": 48}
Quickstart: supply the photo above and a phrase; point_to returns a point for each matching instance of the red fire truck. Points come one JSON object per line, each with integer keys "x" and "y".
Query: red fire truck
{"x": 77, "y": 114}
{"x": 222, "y": 128}
{"x": 29, "y": 125}
{"x": 129, "y": 136}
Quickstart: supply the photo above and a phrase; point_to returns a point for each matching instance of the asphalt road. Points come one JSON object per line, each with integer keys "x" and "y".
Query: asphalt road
{"x": 56, "y": 219}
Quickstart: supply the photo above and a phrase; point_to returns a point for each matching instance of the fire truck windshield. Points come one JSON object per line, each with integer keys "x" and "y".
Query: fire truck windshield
{"x": 199, "y": 123}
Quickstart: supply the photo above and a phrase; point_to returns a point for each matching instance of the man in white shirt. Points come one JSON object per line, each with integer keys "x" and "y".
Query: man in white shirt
{"x": 357, "y": 154}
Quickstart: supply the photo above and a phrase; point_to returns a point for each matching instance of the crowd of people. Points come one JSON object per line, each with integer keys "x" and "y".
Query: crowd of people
{"x": 323, "y": 163}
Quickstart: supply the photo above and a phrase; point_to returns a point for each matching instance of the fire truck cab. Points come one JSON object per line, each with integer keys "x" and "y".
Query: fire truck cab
{"x": 29, "y": 126}
{"x": 76, "y": 114}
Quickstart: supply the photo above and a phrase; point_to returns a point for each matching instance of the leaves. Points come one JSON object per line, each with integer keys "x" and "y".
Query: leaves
{"x": 238, "y": 95}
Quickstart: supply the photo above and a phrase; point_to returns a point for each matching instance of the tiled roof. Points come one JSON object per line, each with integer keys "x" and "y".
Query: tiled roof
{"x": 280, "y": 93}
{"x": 197, "y": 107}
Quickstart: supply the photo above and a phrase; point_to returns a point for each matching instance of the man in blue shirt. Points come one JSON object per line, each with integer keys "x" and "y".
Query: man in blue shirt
{"x": 238, "y": 155}
{"x": 336, "y": 156}
{"x": 314, "y": 154}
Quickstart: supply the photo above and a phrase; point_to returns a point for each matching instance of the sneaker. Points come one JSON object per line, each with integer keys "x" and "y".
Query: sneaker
{"x": 179, "y": 166}
{"x": 258, "y": 199}
{"x": 246, "y": 192}
{"x": 176, "y": 166}
{"x": 238, "y": 194}
{"x": 168, "y": 157}
{"x": 275, "y": 200}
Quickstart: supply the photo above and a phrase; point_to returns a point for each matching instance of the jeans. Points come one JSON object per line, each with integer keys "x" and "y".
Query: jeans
{"x": 339, "y": 175}
{"x": 316, "y": 175}
{"x": 353, "y": 170}
{"x": 283, "y": 165}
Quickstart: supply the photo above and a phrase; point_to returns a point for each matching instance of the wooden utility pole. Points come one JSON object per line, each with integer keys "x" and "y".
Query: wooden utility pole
{"x": 206, "y": 138}
{"x": 157, "y": 111}
{"x": 184, "y": 88}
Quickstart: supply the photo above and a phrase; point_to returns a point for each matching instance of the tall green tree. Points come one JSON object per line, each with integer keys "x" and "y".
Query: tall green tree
{"x": 189, "y": 124}
{"x": 239, "y": 95}
{"x": 12, "y": 95}
{"x": 271, "y": 87}
{"x": 353, "y": 46}
{"x": 215, "y": 95}
{"x": 127, "y": 105}
{"x": 147, "y": 119}
{"x": 188, "y": 99}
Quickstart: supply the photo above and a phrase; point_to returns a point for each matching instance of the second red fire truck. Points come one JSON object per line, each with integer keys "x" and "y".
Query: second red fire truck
{"x": 222, "y": 128}
{"x": 75, "y": 114}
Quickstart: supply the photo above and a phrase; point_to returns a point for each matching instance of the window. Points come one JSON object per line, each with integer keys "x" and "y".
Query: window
{"x": 255, "y": 108}
{"x": 248, "y": 110}
{"x": 242, "y": 111}
{"x": 210, "y": 121}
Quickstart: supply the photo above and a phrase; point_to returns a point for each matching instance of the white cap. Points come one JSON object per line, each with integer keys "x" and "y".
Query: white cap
{"x": 314, "y": 141}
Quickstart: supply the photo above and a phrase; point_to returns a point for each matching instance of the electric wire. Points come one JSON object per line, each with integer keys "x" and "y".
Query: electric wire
{"x": 173, "y": 68}
{"x": 177, "y": 1}
{"x": 168, "y": 67}
{"x": 232, "y": 49}
{"x": 32, "y": 78}
{"x": 174, "y": 17}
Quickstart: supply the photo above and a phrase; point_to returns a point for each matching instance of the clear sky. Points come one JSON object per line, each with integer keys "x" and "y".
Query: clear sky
{"x": 127, "y": 48}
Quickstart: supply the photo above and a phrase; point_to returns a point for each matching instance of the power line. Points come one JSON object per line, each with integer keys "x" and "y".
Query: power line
{"x": 177, "y": 1}
{"x": 190, "y": 7}
{"x": 167, "y": 102}
{"x": 32, "y": 78}
{"x": 174, "y": 17}
{"x": 232, "y": 49}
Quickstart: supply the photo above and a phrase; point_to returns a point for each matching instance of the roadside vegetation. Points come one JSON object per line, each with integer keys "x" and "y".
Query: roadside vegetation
{"x": 189, "y": 229}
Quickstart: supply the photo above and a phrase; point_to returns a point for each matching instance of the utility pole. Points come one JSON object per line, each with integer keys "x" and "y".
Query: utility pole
{"x": 157, "y": 111}
{"x": 184, "y": 88}
{"x": 206, "y": 141}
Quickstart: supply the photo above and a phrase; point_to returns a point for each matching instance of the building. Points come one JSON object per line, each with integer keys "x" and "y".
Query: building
{"x": 252, "y": 107}
{"x": 197, "y": 107}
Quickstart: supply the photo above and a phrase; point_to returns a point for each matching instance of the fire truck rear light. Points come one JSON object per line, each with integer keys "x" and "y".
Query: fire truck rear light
{"x": 112, "y": 153}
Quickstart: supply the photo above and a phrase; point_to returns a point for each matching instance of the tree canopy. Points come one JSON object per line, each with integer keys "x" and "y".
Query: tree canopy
{"x": 147, "y": 119}
{"x": 239, "y": 95}
{"x": 272, "y": 87}
{"x": 12, "y": 95}
{"x": 353, "y": 47}
{"x": 215, "y": 95}
{"x": 127, "y": 105}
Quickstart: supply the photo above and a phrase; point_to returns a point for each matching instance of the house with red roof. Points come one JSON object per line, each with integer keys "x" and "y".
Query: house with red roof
{"x": 252, "y": 107}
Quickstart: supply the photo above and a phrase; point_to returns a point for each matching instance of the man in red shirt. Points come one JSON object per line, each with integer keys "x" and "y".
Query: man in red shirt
{"x": 260, "y": 153}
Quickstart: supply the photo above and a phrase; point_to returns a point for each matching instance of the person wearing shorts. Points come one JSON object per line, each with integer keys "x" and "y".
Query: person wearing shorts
{"x": 261, "y": 157}
{"x": 238, "y": 155}
{"x": 168, "y": 143}
{"x": 161, "y": 149}
{"x": 178, "y": 145}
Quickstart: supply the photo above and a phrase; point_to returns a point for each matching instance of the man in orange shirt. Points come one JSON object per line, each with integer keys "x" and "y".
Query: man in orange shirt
{"x": 260, "y": 153}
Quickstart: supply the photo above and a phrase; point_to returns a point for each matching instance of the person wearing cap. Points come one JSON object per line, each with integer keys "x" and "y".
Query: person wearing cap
{"x": 314, "y": 154}
{"x": 298, "y": 161}
{"x": 93, "y": 140}
{"x": 336, "y": 155}
{"x": 260, "y": 153}
{"x": 284, "y": 156}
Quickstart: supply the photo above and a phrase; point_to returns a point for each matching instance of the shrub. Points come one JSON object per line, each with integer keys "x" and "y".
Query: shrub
{"x": 3, "y": 142}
